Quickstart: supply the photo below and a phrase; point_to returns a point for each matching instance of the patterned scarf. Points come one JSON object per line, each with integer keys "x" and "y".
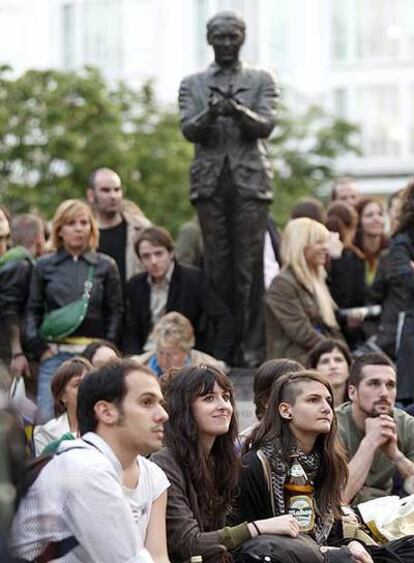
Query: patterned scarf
{"x": 310, "y": 463}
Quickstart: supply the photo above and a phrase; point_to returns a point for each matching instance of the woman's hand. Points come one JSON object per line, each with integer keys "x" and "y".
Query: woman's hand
{"x": 285, "y": 525}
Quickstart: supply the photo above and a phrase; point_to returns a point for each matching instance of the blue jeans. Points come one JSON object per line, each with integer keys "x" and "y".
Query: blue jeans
{"x": 47, "y": 370}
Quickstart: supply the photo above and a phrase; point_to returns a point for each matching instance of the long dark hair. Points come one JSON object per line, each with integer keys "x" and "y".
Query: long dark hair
{"x": 213, "y": 478}
{"x": 333, "y": 472}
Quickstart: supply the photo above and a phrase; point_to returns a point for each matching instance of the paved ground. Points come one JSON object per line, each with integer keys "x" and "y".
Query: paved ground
{"x": 243, "y": 383}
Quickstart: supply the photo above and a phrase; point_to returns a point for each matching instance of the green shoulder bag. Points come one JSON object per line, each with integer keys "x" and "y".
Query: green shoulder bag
{"x": 64, "y": 321}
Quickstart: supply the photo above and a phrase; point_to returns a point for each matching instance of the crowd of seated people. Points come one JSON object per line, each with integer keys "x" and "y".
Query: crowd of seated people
{"x": 132, "y": 361}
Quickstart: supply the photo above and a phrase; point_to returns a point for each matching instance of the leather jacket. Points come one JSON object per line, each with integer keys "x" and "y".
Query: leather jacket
{"x": 14, "y": 289}
{"x": 58, "y": 279}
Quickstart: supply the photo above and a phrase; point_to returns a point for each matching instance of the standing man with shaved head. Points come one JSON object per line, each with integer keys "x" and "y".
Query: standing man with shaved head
{"x": 228, "y": 111}
{"x": 118, "y": 228}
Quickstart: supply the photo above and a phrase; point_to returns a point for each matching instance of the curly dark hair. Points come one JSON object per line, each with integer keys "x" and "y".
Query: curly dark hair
{"x": 214, "y": 477}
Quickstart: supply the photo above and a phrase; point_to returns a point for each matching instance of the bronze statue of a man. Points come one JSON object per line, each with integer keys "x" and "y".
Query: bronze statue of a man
{"x": 227, "y": 111}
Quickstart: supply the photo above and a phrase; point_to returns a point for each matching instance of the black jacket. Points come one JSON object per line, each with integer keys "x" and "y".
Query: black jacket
{"x": 402, "y": 277}
{"x": 14, "y": 289}
{"x": 346, "y": 280}
{"x": 389, "y": 290}
{"x": 58, "y": 279}
{"x": 14, "y": 292}
{"x": 188, "y": 294}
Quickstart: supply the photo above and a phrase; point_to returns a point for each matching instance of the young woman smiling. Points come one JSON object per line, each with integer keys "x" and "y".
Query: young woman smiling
{"x": 202, "y": 466}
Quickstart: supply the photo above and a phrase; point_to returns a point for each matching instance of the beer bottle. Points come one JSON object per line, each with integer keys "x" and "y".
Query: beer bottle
{"x": 298, "y": 492}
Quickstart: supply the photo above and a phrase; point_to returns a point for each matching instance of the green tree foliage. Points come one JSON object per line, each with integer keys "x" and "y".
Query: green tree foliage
{"x": 56, "y": 127}
{"x": 305, "y": 145}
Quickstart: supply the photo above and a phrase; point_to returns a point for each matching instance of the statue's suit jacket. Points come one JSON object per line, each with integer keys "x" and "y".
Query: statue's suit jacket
{"x": 240, "y": 138}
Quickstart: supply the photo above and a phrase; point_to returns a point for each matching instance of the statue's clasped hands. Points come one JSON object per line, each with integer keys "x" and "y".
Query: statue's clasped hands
{"x": 223, "y": 102}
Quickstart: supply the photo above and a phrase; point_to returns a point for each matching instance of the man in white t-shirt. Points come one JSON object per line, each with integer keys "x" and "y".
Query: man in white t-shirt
{"x": 77, "y": 506}
{"x": 148, "y": 502}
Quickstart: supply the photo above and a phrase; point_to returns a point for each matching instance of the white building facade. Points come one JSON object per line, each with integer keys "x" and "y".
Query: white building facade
{"x": 354, "y": 57}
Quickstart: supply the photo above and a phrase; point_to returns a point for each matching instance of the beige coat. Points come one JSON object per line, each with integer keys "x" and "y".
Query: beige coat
{"x": 292, "y": 313}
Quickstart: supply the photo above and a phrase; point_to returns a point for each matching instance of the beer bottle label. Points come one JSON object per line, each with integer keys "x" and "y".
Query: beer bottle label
{"x": 302, "y": 508}
{"x": 297, "y": 471}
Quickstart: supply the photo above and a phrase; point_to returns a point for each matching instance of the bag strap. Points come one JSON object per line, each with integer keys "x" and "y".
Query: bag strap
{"x": 13, "y": 387}
{"x": 58, "y": 549}
{"x": 268, "y": 476}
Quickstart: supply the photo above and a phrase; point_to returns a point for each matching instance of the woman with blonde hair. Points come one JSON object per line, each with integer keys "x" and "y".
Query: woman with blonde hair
{"x": 300, "y": 312}
{"x": 75, "y": 296}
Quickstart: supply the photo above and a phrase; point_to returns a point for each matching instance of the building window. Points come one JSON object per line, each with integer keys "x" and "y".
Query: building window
{"x": 202, "y": 14}
{"x": 280, "y": 30}
{"x": 368, "y": 30}
{"x": 68, "y": 36}
{"x": 340, "y": 102}
{"x": 379, "y": 29}
{"x": 92, "y": 34}
{"x": 339, "y": 30}
{"x": 380, "y": 120}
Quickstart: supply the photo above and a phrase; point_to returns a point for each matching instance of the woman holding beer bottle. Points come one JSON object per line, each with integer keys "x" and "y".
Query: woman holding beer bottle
{"x": 293, "y": 463}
